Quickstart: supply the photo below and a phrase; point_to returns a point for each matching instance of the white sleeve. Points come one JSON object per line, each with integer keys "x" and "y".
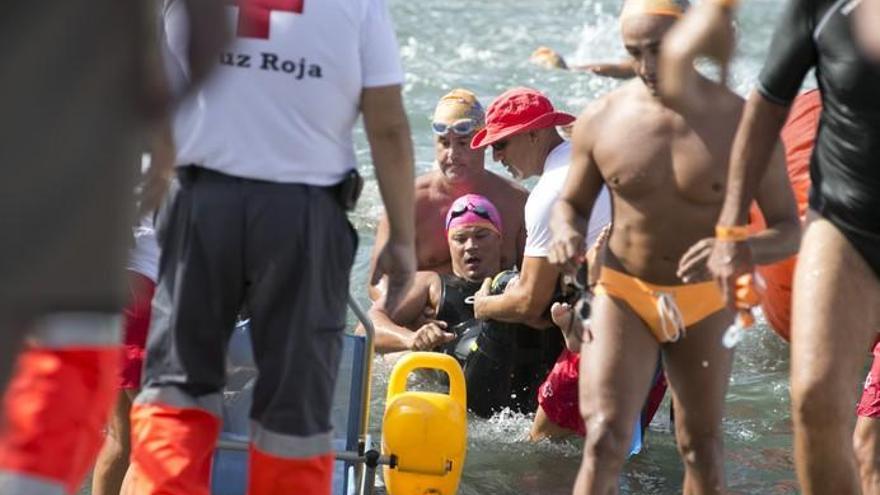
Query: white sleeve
{"x": 380, "y": 56}
{"x": 539, "y": 207}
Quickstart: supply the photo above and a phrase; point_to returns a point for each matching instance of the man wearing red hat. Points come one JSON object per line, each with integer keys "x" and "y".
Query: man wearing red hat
{"x": 521, "y": 129}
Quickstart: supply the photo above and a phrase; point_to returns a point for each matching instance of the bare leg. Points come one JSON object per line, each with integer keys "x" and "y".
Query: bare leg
{"x": 834, "y": 319}
{"x": 112, "y": 462}
{"x": 866, "y": 443}
{"x": 616, "y": 371}
{"x": 543, "y": 428}
{"x": 698, "y": 369}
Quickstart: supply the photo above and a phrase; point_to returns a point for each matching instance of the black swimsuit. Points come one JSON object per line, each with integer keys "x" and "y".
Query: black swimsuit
{"x": 503, "y": 363}
{"x": 845, "y": 167}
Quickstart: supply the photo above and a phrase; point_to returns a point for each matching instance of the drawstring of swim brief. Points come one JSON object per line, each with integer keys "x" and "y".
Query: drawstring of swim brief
{"x": 670, "y": 315}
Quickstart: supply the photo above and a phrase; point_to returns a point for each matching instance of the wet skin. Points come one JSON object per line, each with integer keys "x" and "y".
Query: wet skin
{"x": 460, "y": 171}
{"x": 666, "y": 172}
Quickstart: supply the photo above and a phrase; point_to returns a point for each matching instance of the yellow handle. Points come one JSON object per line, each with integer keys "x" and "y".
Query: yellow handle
{"x": 429, "y": 360}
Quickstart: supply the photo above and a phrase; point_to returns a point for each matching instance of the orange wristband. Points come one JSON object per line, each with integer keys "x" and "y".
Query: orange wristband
{"x": 734, "y": 233}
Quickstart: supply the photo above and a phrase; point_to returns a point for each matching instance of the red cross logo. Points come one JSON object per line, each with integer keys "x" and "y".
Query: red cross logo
{"x": 253, "y": 15}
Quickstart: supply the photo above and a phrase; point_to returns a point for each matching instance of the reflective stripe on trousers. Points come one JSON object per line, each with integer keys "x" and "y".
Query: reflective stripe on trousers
{"x": 173, "y": 440}
{"x": 281, "y": 463}
{"x": 173, "y": 436}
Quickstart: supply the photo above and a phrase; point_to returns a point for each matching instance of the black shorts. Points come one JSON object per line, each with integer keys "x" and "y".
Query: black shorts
{"x": 285, "y": 252}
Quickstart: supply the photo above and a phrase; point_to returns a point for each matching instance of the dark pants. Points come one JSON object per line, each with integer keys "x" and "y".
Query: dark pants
{"x": 285, "y": 252}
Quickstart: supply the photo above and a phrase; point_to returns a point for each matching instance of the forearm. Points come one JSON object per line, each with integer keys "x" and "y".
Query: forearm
{"x": 776, "y": 242}
{"x": 513, "y": 306}
{"x": 161, "y": 171}
{"x": 390, "y": 337}
{"x": 756, "y": 138}
{"x": 569, "y": 214}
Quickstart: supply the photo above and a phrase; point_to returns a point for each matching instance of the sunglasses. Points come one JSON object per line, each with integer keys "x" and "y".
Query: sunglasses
{"x": 460, "y": 209}
{"x": 461, "y": 127}
{"x": 499, "y": 145}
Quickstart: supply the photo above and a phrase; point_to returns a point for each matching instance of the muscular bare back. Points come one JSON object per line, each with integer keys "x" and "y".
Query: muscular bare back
{"x": 667, "y": 175}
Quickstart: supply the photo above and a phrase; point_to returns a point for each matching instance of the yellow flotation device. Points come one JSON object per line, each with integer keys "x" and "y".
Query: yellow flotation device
{"x": 425, "y": 431}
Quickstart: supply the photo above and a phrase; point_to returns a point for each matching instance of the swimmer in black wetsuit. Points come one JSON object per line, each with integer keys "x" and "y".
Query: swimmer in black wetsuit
{"x": 503, "y": 363}
{"x": 837, "y": 282}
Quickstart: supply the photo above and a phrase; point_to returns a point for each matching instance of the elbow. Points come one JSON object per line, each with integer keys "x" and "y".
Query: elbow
{"x": 531, "y": 307}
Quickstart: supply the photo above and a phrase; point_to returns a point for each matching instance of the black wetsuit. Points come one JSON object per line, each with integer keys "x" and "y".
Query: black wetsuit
{"x": 845, "y": 167}
{"x": 503, "y": 363}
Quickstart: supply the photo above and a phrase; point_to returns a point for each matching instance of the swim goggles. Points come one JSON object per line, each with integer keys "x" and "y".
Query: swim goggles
{"x": 462, "y": 127}
{"x": 460, "y": 209}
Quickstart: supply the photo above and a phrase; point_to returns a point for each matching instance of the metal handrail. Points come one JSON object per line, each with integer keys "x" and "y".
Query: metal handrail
{"x": 367, "y": 370}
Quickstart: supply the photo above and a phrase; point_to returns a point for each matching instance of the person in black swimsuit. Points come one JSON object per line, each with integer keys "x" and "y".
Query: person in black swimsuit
{"x": 836, "y": 301}
{"x": 504, "y": 364}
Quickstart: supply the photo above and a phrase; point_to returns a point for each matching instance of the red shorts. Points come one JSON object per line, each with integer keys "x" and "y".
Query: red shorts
{"x": 869, "y": 405}
{"x": 558, "y": 395}
{"x": 136, "y": 322}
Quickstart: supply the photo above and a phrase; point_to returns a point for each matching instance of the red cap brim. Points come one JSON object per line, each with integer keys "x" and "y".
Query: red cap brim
{"x": 488, "y": 135}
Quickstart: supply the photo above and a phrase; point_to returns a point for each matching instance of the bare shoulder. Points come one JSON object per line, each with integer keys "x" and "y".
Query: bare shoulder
{"x": 426, "y": 180}
{"x": 726, "y": 103}
{"x": 606, "y": 105}
{"x": 597, "y": 114}
{"x": 423, "y": 279}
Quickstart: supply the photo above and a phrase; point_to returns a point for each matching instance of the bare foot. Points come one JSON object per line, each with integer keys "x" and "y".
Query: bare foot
{"x": 572, "y": 328}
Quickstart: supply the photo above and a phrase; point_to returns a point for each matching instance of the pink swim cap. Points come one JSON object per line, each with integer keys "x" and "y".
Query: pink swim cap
{"x": 470, "y": 210}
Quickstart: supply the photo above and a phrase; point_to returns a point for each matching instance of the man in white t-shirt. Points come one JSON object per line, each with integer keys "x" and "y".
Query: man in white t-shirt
{"x": 521, "y": 128}
{"x": 266, "y": 170}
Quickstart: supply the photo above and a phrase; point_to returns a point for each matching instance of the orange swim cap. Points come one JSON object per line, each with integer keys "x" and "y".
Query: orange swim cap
{"x": 674, "y": 8}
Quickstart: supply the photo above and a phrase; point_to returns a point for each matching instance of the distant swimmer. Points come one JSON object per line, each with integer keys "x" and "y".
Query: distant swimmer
{"x": 838, "y": 266}
{"x": 459, "y": 170}
{"x": 666, "y": 173}
{"x": 503, "y": 363}
{"x": 549, "y": 59}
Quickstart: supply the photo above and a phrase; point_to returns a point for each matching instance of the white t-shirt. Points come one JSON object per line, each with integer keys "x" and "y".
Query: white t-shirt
{"x": 539, "y": 206}
{"x": 144, "y": 256}
{"x": 281, "y": 104}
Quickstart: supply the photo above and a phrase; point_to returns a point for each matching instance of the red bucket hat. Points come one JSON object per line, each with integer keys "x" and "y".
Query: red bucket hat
{"x": 518, "y": 110}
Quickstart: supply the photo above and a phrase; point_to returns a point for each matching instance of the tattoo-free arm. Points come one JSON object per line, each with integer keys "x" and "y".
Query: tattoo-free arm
{"x": 393, "y": 336}
{"x": 776, "y": 200}
{"x": 527, "y": 299}
{"x": 756, "y": 138}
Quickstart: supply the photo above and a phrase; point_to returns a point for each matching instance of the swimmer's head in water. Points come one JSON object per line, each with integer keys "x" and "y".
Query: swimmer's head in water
{"x": 547, "y": 58}
{"x": 642, "y": 25}
{"x": 473, "y": 229}
{"x": 456, "y": 118}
